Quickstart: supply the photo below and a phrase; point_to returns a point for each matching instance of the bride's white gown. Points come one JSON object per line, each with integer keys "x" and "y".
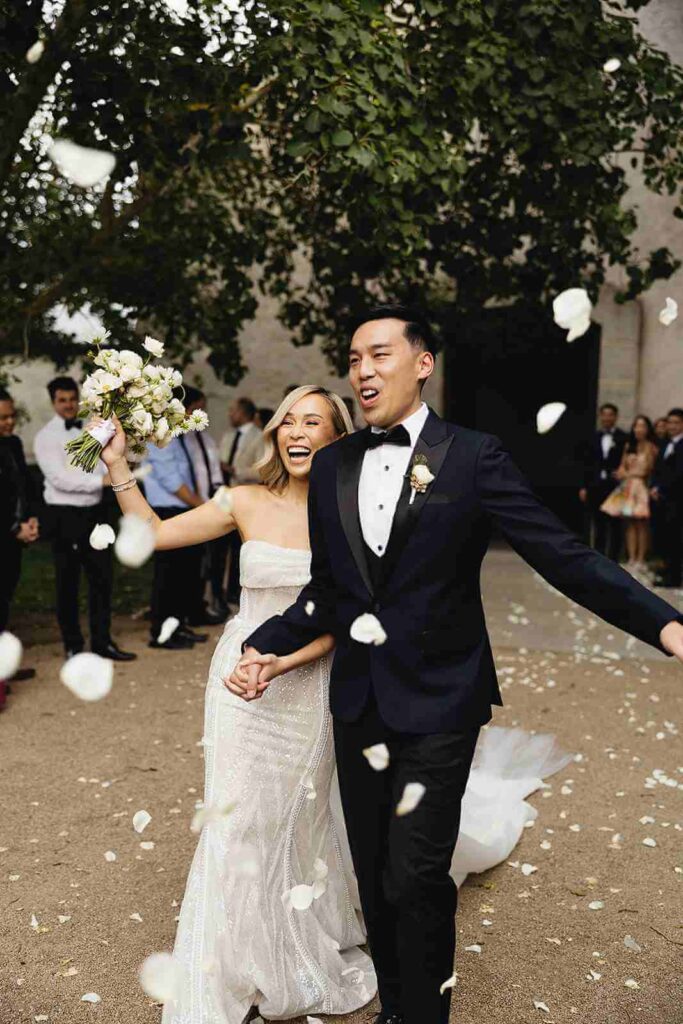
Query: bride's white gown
{"x": 239, "y": 942}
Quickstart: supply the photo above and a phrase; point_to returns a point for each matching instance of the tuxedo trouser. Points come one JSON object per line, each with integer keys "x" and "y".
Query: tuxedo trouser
{"x": 176, "y": 581}
{"x": 69, "y": 529}
{"x": 672, "y": 541}
{"x": 10, "y": 570}
{"x": 402, "y": 863}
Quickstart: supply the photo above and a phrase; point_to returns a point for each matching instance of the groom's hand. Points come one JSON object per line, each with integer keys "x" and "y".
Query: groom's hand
{"x": 244, "y": 679}
{"x": 672, "y": 638}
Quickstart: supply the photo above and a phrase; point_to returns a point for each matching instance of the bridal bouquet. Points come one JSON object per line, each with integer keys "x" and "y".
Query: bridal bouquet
{"x": 140, "y": 393}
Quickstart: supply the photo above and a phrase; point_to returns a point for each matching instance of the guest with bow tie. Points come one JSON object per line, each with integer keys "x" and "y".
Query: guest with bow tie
{"x": 602, "y": 459}
{"x": 667, "y": 493}
{"x": 73, "y": 501}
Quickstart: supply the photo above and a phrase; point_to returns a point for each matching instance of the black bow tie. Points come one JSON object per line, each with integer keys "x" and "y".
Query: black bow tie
{"x": 70, "y": 424}
{"x": 397, "y": 435}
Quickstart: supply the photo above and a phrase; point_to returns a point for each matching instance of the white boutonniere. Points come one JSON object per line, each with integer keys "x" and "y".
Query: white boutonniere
{"x": 420, "y": 476}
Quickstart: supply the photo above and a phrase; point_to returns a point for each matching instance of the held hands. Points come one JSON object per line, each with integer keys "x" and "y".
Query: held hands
{"x": 28, "y": 531}
{"x": 672, "y": 638}
{"x": 252, "y": 674}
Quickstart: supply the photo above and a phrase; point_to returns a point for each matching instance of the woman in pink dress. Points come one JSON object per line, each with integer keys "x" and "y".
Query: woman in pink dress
{"x": 630, "y": 500}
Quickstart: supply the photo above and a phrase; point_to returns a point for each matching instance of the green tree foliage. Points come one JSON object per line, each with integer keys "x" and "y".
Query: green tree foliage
{"x": 466, "y": 150}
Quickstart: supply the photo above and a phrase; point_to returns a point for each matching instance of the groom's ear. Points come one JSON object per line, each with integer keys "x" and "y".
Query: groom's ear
{"x": 426, "y": 366}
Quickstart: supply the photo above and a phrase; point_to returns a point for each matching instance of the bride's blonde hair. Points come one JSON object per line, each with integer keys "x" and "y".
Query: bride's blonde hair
{"x": 270, "y": 467}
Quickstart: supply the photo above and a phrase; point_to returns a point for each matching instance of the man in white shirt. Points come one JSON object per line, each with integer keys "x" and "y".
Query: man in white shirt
{"x": 240, "y": 449}
{"x": 73, "y": 507}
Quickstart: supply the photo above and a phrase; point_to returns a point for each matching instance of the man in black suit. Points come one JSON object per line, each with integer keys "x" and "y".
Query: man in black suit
{"x": 400, "y": 518}
{"x": 18, "y": 506}
{"x": 601, "y": 460}
{"x": 667, "y": 493}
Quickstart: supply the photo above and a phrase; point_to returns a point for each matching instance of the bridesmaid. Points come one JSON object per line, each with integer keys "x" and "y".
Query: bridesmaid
{"x": 630, "y": 500}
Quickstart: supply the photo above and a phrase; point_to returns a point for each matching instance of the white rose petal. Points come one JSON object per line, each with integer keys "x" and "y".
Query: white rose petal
{"x": 412, "y": 794}
{"x": 449, "y": 983}
{"x": 528, "y": 869}
{"x": 377, "y": 756}
{"x": 596, "y": 905}
{"x": 135, "y": 917}
{"x": 110, "y": 856}
{"x": 81, "y": 166}
{"x": 205, "y": 815}
{"x": 307, "y": 783}
{"x": 611, "y": 65}
{"x": 135, "y": 542}
{"x": 474, "y": 948}
{"x": 88, "y": 676}
{"x": 300, "y": 897}
{"x": 310, "y": 607}
{"x": 160, "y": 977}
{"x": 540, "y": 1006}
{"x": 149, "y": 845}
{"x": 91, "y": 997}
{"x": 631, "y": 944}
{"x": 648, "y": 841}
{"x": 10, "y": 654}
{"x": 572, "y": 312}
{"x": 154, "y": 347}
{"x": 141, "y": 820}
{"x": 102, "y": 536}
{"x": 548, "y": 415}
{"x": 368, "y": 630}
{"x": 631, "y": 983}
{"x": 35, "y": 52}
{"x": 669, "y": 313}
{"x": 168, "y": 628}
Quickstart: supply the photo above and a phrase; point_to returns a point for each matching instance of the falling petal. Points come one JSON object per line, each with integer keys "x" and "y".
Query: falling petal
{"x": 649, "y": 841}
{"x": 10, "y": 654}
{"x": 548, "y": 415}
{"x": 81, "y": 166}
{"x": 377, "y": 756}
{"x": 91, "y": 997}
{"x": 631, "y": 983}
{"x": 528, "y": 869}
{"x": 206, "y": 815}
{"x": 669, "y": 313}
{"x": 301, "y": 897}
{"x": 168, "y": 628}
{"x": 102, "y": 536}
{"x": 611, "y": 65}
{"x": 35, "y": 52}
{"x": 367, "y": 629}
{"x": 412, "y": 794}
{"x": 135, "y": 917}
{"x": 307, "y": 783}
{"x": 110, "y": 856}
{"x": 474, "y": 948}
{"x": 596, "y": 905}
{"x": 135, "y": 542}
{"x": 147, "y": 846}
{"x": 572, "y": 311}
{"x": 449, "y": 983}
{"x": 141, "y": 820}
{"x": 88, "y": 676}
{"x": 159, "y": 977}
{"x": 540, "y": 1006}
{"x": 310, "y": 607}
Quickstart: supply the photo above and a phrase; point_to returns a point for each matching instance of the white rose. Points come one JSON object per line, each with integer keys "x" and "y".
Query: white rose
{"x": 422, "y": 474}
{"x": 141, "y": 420}
{"x": 106, "y": 382}
{"x": 176, "y": 409}
{"x": 154, "y": 347}
{"x": 138, "y": 389}
{"x": 130, "y": 358}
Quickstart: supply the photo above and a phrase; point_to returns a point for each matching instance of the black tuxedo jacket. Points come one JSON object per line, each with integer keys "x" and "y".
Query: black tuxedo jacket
{"x": 595, "y": 462}
{"x": 668, "y": 474}
{"x": 435, "y": 672}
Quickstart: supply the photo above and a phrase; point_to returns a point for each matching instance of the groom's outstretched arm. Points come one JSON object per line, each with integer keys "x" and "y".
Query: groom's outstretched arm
{"x": 312, "y": 614}
{"x": 584, "y": 575}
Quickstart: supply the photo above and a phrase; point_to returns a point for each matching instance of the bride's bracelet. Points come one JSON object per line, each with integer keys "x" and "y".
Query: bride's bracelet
{"x": 125, "y": 486}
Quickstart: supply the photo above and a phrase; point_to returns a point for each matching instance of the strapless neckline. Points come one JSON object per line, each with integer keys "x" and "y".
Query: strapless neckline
{"x": 278, "y": 547}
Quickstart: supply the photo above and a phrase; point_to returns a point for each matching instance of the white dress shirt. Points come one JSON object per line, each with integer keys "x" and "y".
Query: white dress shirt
{"x": 381, "y": 481}
{"x": 607, "y": 442}
{"x": 669, "y": 450}
{"x": 65, "y": 484}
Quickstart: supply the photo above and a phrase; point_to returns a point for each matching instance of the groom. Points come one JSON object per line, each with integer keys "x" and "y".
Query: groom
{"x": 406, "y": 546}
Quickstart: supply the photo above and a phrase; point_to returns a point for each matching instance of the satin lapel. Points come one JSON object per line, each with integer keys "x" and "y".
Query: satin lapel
{"x": 434, "y": 443}
{"x": 348, "y": 477}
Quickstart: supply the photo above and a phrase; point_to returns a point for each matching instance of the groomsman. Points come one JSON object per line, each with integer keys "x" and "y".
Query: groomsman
{"x": 73, "y": 500}
{"x": 667, "y": 493}
{"x": 241, "y": 448}
{"x": 602, "y": 459}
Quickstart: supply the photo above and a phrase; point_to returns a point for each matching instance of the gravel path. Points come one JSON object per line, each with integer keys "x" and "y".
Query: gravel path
{"x": 72, "y": 776}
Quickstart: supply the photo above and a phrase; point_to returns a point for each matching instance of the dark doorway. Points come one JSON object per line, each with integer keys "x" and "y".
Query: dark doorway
{"x": 501, "y": 368}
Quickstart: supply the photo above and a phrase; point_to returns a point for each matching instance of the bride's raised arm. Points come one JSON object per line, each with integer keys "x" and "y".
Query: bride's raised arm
{"x": 207, "y": 521}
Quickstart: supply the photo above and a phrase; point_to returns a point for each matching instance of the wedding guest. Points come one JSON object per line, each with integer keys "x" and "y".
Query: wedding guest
{"x": 73, "y": 506}
{"x": 662, "y": 434}
{"x": 18, "y": 521}
{"x": 667, "y": 493}
{"x": 241, "y": 448}
{"x": 202, "y": 451}
{"x": 630, "y": 500}
{"x": 171, "y": 488}
{"x": 660, "y": 428}
{"x": 263, "y": 417}
{"x": 602, "y": 458}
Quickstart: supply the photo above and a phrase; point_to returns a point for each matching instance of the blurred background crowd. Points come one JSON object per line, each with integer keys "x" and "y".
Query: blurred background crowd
{"x": 631, "y": 493}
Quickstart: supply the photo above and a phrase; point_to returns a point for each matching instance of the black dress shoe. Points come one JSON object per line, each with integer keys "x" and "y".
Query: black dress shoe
{"x": 174, "y": 643}
{"x": 189, "y": 634}
{"x": 114, "y": 653}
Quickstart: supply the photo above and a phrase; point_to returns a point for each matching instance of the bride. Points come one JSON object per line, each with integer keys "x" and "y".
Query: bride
{"x": 270, "y": 915}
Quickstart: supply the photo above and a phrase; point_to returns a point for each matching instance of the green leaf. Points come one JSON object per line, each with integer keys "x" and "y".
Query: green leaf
{"x": 341, "y": 139}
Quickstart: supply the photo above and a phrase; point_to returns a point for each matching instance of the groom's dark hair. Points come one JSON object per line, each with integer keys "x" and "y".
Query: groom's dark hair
{"x": 417, "y": 328}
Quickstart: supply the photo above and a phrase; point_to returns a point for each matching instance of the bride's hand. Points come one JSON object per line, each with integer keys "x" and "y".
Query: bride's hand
{"x": 250, "y": 685}
{"x": 116, "y": 448}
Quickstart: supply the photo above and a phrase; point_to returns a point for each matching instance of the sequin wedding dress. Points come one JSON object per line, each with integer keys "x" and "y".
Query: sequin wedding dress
{"x": 273, "y": 824}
